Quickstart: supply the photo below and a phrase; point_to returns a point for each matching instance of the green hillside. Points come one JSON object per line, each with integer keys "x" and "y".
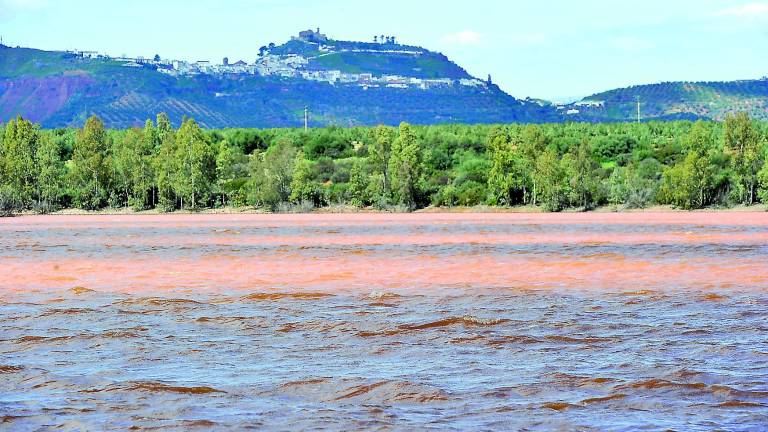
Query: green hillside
{"x": 679, "y": 100}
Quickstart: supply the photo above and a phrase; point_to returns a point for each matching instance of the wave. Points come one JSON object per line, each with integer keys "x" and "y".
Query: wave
{"x": 108, "y": 334}
{"x": 560, "y": 378}
{"x": 559, "y": 406}
{"x": 382, "y": 295}
{"x": 42, "y": 339}
{"x": 698, "y": 387}
{"x": 644, "y": 292}
{"x": 608, "y": 398}
{"x": 7, "y": 369}
{"x": 713, "y": 297}
{"x": 78, "y": 290}
{"x": 69, "y": 311}
{"x": 358, "y": 390}
{"x": 157, "y": 302}
{"x": 466, "y": 321}
{"x": 286, "y": 295}
{"x": 740, "y": 404}
{"x": 156, "y": 387}
{"x": 514, "y": 339}
{"x": 577, "y": 340}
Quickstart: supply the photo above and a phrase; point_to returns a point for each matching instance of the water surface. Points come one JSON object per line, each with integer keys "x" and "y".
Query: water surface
{"x": 456, "y": 321}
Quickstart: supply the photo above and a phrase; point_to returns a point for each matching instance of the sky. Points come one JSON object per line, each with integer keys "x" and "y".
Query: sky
{"x": 551, "y": 49}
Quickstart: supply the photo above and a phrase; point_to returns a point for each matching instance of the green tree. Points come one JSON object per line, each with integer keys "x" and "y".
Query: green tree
{"x": 165, "y": 166}
{"x": 18, "y": 172}
{"x": 583, "y": 181}
{"x": 763, "y": 182}
{"x": 405, "y": 166}
{"x": 618, "y": 190}
{"x": 685, "y": 184}
{"x": 51, "y": 172}
{"x": 227, "y": 160}
{"x": 358, "y": 184}
{"x": 196, "y": 171}
{"x": 532, "y": 144}
{"x": 743, "y": 143}
{"x": 379, "y": 155}
{"x": 507, "y": 175}
{"x": 124, "y": 164}
{"x": 90, "y": 166}
{"x": 272, "y": 175}
{"x": 550, "y": 177}
{"x": 303, "y": 188}
{"x": 144, "y": 177}
{"x": 164, "y": 128}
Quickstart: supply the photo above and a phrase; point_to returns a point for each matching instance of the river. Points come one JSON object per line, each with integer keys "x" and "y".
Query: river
{"x": 575, "y": 321}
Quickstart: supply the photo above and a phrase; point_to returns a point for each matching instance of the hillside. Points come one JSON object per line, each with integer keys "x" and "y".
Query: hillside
{"x": 342, "y": 83}
{"x": 379, "y": 58}
{"x": 675, "y": 100}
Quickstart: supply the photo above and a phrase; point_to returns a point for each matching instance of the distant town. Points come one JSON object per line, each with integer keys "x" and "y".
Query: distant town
{"x": 296, "y": 66}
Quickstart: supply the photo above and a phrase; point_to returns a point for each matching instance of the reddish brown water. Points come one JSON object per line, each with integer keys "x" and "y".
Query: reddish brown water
{"x": 458, "y": 321}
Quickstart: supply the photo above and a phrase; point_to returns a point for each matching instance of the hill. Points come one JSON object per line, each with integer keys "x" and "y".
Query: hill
{"x": 343, "y": 83}
{"x": 674, "y": 101}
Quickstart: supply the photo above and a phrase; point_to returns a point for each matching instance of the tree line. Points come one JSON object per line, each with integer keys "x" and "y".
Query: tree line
{"x": 555, "y": 166}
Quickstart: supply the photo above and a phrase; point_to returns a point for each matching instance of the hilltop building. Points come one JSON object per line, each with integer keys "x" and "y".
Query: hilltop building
{"x": 312, "y": 36}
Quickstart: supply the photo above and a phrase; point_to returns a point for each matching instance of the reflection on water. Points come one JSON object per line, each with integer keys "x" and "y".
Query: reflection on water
{"x": 539, "y": 322}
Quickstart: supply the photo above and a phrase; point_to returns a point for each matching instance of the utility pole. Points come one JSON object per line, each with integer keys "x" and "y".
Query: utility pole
{"x": 638, "y": 108}
{"x": 306, "y": 118}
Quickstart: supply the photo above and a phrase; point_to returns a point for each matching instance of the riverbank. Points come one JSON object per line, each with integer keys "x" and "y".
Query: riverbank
{"x": 370, "y": 210}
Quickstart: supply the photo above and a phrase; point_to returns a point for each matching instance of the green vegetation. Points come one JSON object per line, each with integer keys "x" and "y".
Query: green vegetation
{"x": 555, "y": 166}
{"x": 680, "y": 100}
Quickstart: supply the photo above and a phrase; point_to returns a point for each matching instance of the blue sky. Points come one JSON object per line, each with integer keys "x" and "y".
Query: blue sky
{"x": 547, "y": 48}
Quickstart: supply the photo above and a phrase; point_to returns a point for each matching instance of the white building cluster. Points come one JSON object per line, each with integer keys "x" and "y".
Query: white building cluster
{"x": 296, "y": 66}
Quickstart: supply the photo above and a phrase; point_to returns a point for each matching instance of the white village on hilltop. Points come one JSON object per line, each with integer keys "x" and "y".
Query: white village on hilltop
{"x": 296, "y": 66}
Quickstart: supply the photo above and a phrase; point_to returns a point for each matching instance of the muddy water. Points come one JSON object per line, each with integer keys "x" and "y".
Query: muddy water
{"x": 465, "y": 322}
